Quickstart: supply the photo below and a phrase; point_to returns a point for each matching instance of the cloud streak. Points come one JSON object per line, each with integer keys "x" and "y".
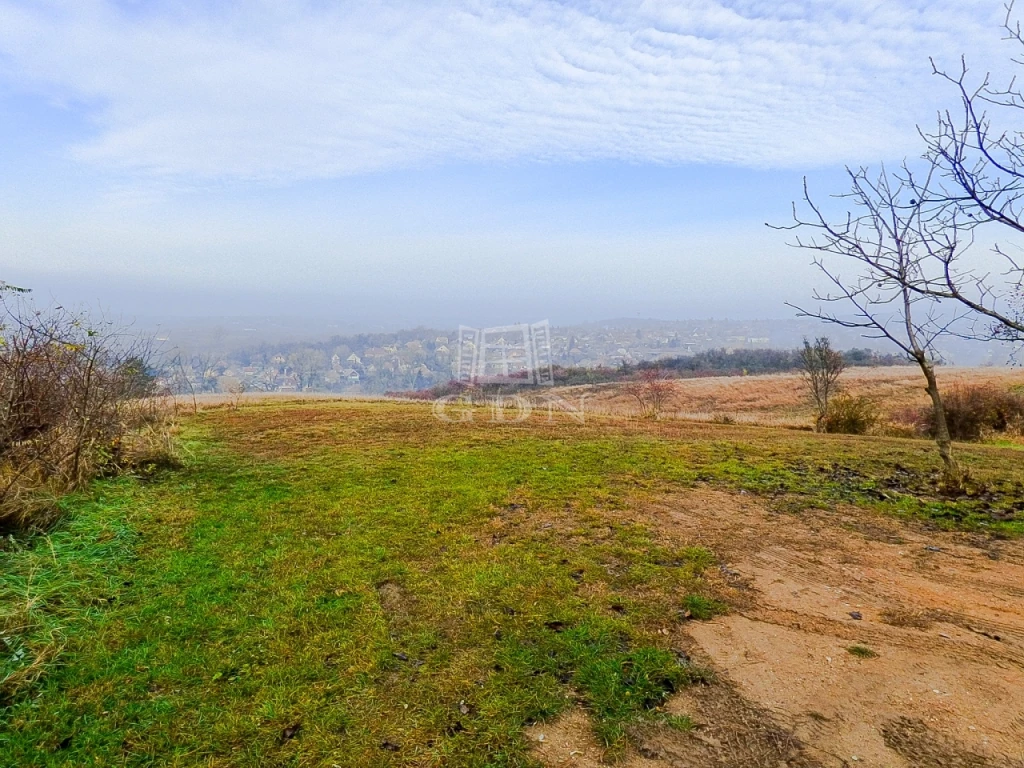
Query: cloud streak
{"x": 283, "y": 91}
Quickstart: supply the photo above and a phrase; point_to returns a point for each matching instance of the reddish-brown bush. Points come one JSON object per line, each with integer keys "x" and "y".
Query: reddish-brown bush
{"x": 972, "y": 411}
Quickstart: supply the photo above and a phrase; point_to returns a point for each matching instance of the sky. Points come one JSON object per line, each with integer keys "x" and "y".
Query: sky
{"x": 439, "y": 163}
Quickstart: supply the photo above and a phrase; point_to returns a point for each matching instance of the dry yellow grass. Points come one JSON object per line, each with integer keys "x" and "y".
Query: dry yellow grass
{"x": 781, "y": 399}
{"x": 772, "y": 399}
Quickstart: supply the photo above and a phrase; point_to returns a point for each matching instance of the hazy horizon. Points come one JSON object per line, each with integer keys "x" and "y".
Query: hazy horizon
{"x": 470, "y": 162}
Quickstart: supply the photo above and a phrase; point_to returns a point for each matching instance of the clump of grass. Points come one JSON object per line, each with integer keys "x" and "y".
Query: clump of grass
{"x": 700, "y": 558}
{"x": 861, "y": 652}
{"x": 703, "y": 608}
{"x": 681, "y": 723}
{"x": 905, "y": 617}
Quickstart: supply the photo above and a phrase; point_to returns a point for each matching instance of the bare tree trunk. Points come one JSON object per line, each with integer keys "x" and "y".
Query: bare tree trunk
{"x": 950, "y": 466}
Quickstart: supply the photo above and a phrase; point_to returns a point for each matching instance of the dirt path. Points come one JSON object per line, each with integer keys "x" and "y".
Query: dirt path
{"x": 938, "y": 619}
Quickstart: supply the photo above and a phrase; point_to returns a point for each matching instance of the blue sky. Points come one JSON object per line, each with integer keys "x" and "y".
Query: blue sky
{"x": 449, "y": 162}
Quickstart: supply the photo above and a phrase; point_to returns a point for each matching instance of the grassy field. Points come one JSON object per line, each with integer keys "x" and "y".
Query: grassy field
{"x": 361, "y": 584}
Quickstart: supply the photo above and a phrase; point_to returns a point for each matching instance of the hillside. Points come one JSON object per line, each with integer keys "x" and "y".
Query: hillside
{"x": 361, "y": 584}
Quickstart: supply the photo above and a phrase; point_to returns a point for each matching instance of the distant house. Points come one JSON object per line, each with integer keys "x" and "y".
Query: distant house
{"x": 290, "y": 383}
{"x": 351, "y": 375}
{"x": 354, "y": 359}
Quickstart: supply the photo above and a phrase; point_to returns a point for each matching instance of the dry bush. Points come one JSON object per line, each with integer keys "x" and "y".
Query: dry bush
{"x": 652, "y": 392}
{"x": 849, "y": 415}
{"x": 974, "y": 411}
{"x": 76, "y": 401}
{"x": 895, "y": 427}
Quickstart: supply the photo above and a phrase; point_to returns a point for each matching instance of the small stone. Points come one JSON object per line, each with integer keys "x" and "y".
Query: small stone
{"x": 856, "y": 615}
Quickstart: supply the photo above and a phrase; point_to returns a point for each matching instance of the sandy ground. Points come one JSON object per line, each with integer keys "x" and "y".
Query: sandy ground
{"x": 943, "y": 612}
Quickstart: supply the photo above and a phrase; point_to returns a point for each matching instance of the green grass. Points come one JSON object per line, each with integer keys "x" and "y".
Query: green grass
{"x": 703, "y": 608}
{"x": 57, "y": 580}
{"x": 360, "y": 584}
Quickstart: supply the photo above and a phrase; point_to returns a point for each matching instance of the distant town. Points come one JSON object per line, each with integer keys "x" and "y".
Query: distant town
{"x": 253, "y": 355}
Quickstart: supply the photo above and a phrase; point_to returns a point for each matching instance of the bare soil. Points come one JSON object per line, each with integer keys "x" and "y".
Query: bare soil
{"x": 936, "y": 621}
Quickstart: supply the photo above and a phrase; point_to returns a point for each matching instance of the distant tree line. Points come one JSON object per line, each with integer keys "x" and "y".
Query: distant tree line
{"x": 738, "y": 362}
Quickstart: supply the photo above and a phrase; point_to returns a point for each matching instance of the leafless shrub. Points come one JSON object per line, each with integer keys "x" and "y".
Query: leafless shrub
{"x": 236, "y": 389}
{"x": 76, "y": 400}
{"x": 652, "y": 392}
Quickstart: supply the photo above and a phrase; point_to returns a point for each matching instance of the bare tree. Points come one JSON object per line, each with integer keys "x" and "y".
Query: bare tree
{"x": 890, "y": 236}
{"x": 821, "y": 367}
{"x": 236, "y": 389}
{"x": 206, "y": 370}
{"x": 308, "y": 364}
{"x": 977, "y": 153}
{"x": 180, "y": 379}
{"x": 652, "y": 392}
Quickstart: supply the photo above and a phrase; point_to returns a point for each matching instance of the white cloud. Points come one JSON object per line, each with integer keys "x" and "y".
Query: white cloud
{"x": 293, "y": 90}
